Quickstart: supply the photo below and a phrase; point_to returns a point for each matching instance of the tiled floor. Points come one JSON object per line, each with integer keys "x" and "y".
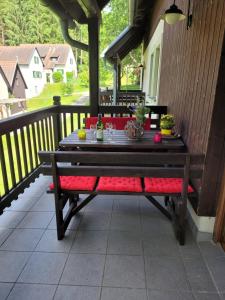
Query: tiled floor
{"x": 118, "y": 248}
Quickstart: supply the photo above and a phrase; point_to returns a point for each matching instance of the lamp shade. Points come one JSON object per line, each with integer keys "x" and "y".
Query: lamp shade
{"x": 173, "y": 15}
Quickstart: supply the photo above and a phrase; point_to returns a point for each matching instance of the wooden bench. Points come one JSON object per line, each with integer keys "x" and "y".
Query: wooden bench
{"x": 147, "y": 174}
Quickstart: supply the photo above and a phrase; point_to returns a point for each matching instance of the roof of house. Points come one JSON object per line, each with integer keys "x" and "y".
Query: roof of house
{"x": 9, "y": 68}
{"x": 5, "y": 78}
{"x": 22, "y": 54}
{"x": 49, "y": 51}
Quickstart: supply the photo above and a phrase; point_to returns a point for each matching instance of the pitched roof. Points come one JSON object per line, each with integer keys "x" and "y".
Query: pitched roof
{"x": 22, "y": 54}
{"x": 49, "y": 51}
{"x": 9, "y": 68}
{"x": 5, "y": 78}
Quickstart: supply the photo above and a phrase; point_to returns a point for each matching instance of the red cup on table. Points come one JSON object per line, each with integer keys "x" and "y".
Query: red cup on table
{"x": 157, "y": 137}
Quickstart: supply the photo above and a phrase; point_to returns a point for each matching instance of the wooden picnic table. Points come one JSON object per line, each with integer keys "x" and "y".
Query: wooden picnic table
{"x": 121, "y": 142}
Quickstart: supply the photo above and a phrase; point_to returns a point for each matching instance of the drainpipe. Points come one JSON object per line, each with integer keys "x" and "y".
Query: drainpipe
{"x": 65, "y": 21}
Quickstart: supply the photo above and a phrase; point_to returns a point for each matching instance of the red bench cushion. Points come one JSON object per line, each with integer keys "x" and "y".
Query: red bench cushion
{"x": 165, "y": 185}
{"x": 119, "y": 122}
{"x": 120, "y": 184}
{"x": 73, "y": 183}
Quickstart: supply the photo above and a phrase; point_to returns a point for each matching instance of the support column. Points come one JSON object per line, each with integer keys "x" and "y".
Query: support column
{"x": 93, "y": 37}
{"x": 114, "y": 83}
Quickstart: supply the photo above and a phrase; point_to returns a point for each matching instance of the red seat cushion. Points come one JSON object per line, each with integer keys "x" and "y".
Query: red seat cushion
{"x": 119, "y": 122}
{"x": 165, "y": 185}
{"x": 120, "y": 184}
{"x": 73, "y": 183}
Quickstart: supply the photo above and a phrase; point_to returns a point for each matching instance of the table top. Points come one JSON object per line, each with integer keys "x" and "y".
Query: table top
{"x": 121, "y": 142}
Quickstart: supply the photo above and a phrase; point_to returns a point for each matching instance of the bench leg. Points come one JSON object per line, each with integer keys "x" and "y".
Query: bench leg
{"x": 166, "y": 200}
{"x": 182, "y": 210}
{"x": 59, "y": 218}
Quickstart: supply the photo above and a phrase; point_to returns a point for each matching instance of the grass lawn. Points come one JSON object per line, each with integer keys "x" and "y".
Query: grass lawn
{"x": 54, "y": 89}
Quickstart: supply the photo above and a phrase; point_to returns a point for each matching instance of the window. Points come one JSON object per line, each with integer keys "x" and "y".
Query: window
{"x": 36, "y": 59}
{"x": 71, "y": 61}
{"x": 54, "y": 58}
{"x": 37, "y": 74}
{"x": 154, "y": 73}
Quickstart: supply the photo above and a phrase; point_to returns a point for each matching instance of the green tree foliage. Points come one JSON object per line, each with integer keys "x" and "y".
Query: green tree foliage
{"x": 27, "y": 22}
{"x": 57, "y": 76}
{"x": 67, "y": 88}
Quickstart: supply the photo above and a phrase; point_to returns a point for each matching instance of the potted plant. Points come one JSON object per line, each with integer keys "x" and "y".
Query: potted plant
{"x": 140, "y": 111}
{"x": 167, "y": 122}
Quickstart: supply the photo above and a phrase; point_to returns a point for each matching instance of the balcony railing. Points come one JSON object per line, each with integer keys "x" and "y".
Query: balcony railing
{"x": 124, "y": 98}
{"x": 22, "y": 136}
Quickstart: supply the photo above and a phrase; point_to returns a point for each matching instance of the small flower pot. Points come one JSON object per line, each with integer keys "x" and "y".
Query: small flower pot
{"x": 166, "y": 131}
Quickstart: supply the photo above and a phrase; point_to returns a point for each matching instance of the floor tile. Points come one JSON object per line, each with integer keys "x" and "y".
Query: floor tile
{"x": 90, "y": 242}
{"x": 32, "y": 291}
{"x": 169, "y": 295}
{"x": 12, "y": 263}
{"x": 217, "y": 269}
{"x": 50, "y": 243}
{"x": 4, "y": 233}
{"x": 95, "y": 221}
{"x": 23, "y": 203}
{"x": 43, "y": 268}
{"x": 77, "y": 293}
{"x": 210, "y": 249}
{"x": 38, "y": 220}
{"x": 165, "y": 273}
{"x": 163, "y": 245}
{"x": 126, "y": 222}
{"x": 5, "y": 289}
{"x": 123, "y": 294}
{"x": 45, "y": 203}
{"x": 223, "y": 296}
{"x": 83, "y": 269}
{"x": 149, "y": 210}
{"x": 23, "y": 240}
{"x": 10, "y": 219}
{"x": 128, "y": 204}
{"x": 124, "y": 242}
{"x": 74, "y": 223}
{"x": 190, "y": 248}
{"x": 157, "y": 226}
{"x": 206, "y": 296}
{"x": 198, "y": 275}
{"x": 100, "y": 204}
{"x": 124, "y": 271}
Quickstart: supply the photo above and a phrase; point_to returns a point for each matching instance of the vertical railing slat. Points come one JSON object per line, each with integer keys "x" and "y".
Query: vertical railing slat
{"x": 50, "y": 132}
{"x": 24, "y": 151}
{"x": 18, "y": 158}
{"x": 3, "y": 167}
{"x": 10, "y": 154}
{"x": 47, "y": 133}
{"x": 71, "y": 122}
{"x": 34, "y": 144}
{"x": 29, "y": 147}
{"x": 38, "y": 135}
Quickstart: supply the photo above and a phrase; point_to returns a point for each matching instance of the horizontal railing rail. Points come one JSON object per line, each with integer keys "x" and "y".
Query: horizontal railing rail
{"x": 22, "y": 136}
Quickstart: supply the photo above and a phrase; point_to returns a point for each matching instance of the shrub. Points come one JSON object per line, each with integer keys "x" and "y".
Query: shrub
{"x": 83, "y": 76}
{"x": 69, "y": 76}
{"x": 57, "y": 76}
{"x": 67, "y": 88}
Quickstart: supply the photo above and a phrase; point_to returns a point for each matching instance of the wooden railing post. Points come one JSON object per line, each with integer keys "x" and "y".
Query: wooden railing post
{"x": 57, "y": 122}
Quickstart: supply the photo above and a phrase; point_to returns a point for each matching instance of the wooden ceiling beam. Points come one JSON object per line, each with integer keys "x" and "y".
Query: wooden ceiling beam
{"x": 90, "y": 8}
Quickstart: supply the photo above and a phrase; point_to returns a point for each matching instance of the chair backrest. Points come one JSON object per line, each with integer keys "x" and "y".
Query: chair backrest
{"x": 118, "y": 122}
{"x": 133, "y": 164}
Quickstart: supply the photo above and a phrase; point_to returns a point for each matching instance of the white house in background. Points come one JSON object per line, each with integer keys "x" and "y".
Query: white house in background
{"x": 30, "y": 64}
{"x": 152, "y": 63}
{"x": 56, "y": 57}
{"x": 4, "y": 85}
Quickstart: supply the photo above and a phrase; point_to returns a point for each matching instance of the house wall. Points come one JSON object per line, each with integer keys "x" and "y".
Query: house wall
{"x": 4, "y": 94}
{"x": 34, "y": 85}
{"x": 188, "y": 81}
{"x": 19, "y": 87}
{"x": 68, "y": 67}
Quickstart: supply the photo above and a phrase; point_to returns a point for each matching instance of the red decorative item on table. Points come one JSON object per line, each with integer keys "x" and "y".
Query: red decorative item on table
{"x": 157, "y": 137}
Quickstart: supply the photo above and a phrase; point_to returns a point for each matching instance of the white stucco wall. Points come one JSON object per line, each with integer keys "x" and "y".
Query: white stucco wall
{"x": 155, "y": 42}
{"x": 34, "y": 85}
{"x": 3, "y": 88}
{"x": 68, "y": 67}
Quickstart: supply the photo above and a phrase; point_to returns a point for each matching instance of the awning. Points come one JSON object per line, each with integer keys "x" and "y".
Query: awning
{"x": 129, "y": 39}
